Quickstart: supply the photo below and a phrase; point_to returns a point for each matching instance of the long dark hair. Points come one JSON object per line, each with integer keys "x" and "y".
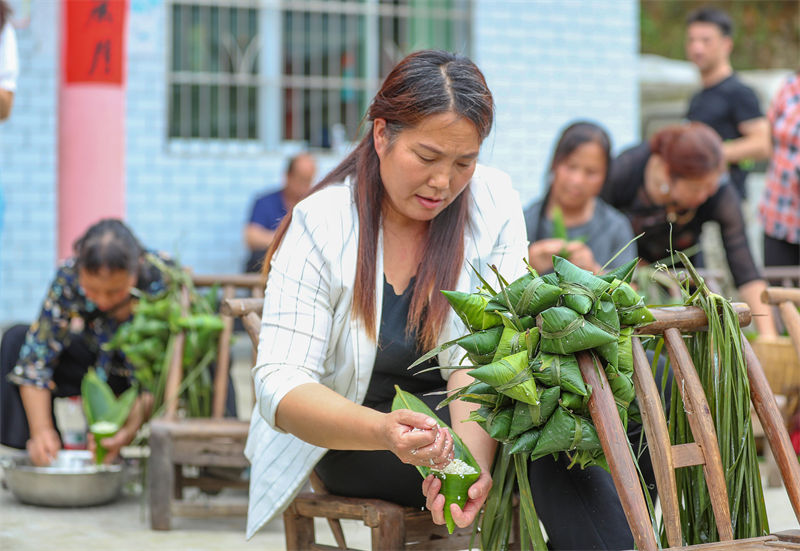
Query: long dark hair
{"x": 424, "y": 83}
{"x": 572, "y": 137}
{"x": 5, "y": 13}
{"x": 108, "y": 244}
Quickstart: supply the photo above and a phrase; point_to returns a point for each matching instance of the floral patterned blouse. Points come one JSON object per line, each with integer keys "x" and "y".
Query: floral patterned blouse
{"x": 67, "y": 312}
{"x": 780, "y": 203}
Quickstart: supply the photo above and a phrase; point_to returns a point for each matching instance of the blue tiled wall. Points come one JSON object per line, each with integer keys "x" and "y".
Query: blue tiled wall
{"x": 28, "y": 170}
{"x": 546, "y": 62}
{"x": 549, "y": 62}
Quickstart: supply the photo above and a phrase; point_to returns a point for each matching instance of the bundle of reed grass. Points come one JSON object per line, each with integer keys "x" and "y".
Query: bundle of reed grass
{"x": 718, "y": 357}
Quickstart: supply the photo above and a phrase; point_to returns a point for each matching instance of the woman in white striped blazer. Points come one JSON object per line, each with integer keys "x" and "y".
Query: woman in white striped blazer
{"x": 352, "y": 298}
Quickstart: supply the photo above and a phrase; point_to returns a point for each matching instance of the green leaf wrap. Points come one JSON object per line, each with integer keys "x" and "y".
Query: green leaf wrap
{"x": 566, "y": 431}
{"x": 558, "y": 370}
{"x": 471, "y": 308}
{"x": 526, "y": 296}
{"x": 528, "y": 416}
{"x": 631, "y": 307}
{"x": 510, "y": 376}
{"x": 564, "y": 331}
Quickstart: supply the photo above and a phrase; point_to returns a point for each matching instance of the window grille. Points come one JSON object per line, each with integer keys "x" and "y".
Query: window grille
{"x": 213, "y": 79}
{"x": 326, "y": 61}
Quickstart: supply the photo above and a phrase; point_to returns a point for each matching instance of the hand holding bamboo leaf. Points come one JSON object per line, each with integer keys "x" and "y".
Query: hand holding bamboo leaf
{"x": 542, "y": 251}
{"x": 462, "y": 511}
{"x": 110, "y": 418}
{"x": 453, "y": 481}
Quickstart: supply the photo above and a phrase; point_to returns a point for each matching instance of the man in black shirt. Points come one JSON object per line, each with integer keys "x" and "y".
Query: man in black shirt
{"x": 725, "y": 103}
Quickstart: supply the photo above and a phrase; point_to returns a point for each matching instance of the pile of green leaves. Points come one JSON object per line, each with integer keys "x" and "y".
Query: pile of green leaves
{"x": 148, "y": 340}
{"x": 533, "y": 400}
{"x": 719, "y": 359}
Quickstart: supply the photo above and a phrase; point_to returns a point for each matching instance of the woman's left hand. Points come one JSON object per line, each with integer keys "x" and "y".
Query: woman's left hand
{"x": 140, "y": 412}
{"x": 476, "y": 495}
{"x": 112, "y": 444}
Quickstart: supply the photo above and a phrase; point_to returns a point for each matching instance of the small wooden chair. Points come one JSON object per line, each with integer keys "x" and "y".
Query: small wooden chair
{"x": 787, "y": 300}
{"x": 392, "y": 526}
{"x": 780, "y": 356}
{"x": 214, "y": 442}
{"x": 704, "y": 451}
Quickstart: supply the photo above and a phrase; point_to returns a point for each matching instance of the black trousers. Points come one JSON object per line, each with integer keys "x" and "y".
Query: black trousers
{"x": 580, "y": 509}
{"x": 72, "y": 364}
{"x": 778, "y": 252}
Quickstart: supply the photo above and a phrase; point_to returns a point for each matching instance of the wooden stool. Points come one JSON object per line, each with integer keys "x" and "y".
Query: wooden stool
{"x": 392, "y": 526}
{"x": 196, "y": 442}
{"x": 704, "y": 451}
{"x": 203, "y": 443}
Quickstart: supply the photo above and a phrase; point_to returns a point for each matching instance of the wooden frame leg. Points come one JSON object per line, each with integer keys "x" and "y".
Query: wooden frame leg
{"x": 703, "y": 431}
{"x": 390, "y": 534}
{"x": 774, "y": 429}
{"x": 299, "y": 530}
{"x": 160, "y": 480}
{"x": 655, "y": 427}
{"x": 616, "y": 448}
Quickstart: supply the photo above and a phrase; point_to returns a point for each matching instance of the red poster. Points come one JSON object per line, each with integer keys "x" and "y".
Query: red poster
{"x": 94, "y": 41}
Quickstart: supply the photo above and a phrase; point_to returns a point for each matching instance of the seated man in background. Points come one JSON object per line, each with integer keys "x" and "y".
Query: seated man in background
{"x": 270, "y": 208}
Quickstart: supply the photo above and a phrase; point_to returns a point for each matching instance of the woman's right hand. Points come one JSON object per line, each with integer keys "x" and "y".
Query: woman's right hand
{"x": 581, "y": 255}
{"x": 43, "y": 447}
{"x": 476, "y": 496}
{"x": 417, "y": 439}
{"x": 540, "y": 253}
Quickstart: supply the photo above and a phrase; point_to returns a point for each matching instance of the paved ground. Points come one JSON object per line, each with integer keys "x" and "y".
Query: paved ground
{"x": 124, "y": 526}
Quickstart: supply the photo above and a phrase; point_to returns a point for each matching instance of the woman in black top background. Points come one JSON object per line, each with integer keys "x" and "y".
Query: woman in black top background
{"x": 669, "y": 187}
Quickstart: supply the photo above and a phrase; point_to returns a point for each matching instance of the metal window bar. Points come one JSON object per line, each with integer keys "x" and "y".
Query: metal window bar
{"x": 185, "y": 105}
{"x": 241, "y": 100}
{"x": 202, "y": 91}
{"x": 334, "y": 68}
{"x": 223, "y": 131}
{"x": 315, "y": 54}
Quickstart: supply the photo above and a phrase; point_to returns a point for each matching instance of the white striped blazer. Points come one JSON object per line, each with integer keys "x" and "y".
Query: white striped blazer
{"x": 309, "y": 335}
